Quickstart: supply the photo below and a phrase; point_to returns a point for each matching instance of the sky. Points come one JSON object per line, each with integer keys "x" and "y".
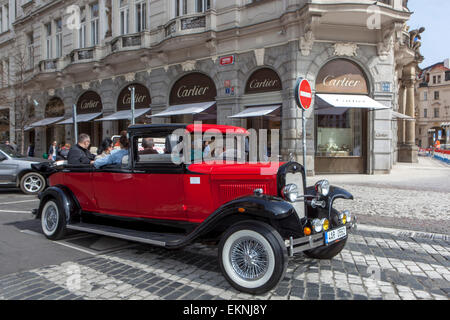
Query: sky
{"x": 434, "y": 15}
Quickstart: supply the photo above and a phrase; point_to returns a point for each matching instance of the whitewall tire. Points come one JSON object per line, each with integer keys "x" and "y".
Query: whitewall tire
{"x": 53, "y": 221}
{"x": 253, "y": 257}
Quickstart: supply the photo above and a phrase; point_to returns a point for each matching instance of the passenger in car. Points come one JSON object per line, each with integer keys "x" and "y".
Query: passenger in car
{"x": 115, "y": 157}
{"x": 79, "y": 153}
{"x": 105, "y": 149}
{"x": 148, "y": 146}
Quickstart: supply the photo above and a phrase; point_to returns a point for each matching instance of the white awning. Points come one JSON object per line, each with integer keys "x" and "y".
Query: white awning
{"x": 125, "y": 115}
{"x": 398, "y": 115}
{"x": 251, "y": 112}
{"x": 193, "y": 108}
{"x": 445, "y": 124}
{"x": 350, "y": 101}
{"x": 82, "y": 118}
{"x": 46, "y": 122}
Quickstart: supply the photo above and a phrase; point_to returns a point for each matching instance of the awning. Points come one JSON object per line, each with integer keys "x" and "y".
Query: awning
{"x": 45, "y": 122}
{"x": 350, "y": 101}
{"x": 125, "y": 115}
{"x": 251, "y": 112}
{"x": 445, "y": 124}
{"x": 4, "y": 108}
{"x": 82, "y": 118}
{"x": 193, "y": 108}
{"x": 398, "y": 115}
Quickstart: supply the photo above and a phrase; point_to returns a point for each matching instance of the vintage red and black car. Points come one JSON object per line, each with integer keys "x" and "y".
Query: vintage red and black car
{"x": 258, "y": 220}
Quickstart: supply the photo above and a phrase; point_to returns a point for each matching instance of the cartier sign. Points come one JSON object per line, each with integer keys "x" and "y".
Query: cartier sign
{"x": 341, "y": 76}
{"x": 263, "y": 80}
{"x": 89, "y": 102}
{"x": 193, "y": 88}
{"x": 142, "y": 98}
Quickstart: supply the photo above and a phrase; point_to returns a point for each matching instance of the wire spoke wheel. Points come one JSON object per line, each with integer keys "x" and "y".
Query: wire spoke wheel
{"x": 249, "y": 259}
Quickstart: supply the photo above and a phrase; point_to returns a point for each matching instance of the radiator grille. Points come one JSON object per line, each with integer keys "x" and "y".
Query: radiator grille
{"x": 228, "y": 192}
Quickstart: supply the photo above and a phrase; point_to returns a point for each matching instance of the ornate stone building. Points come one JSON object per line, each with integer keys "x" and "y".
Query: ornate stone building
{"x": 433, "y": 105}
{"x": 227, "y": 62}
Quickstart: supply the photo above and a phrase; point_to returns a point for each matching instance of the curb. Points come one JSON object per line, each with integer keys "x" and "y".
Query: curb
{"x": 405, "y": 233}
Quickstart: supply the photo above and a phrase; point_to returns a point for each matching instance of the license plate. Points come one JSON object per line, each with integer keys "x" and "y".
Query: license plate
{"x": 336, "y": 234}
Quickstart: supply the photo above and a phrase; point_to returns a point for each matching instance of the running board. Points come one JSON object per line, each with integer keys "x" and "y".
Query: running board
{"x": 153, "y": 238}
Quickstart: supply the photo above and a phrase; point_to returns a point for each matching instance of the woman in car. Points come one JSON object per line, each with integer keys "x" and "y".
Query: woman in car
{"x": 105, "y": 149}
{"x": 116, "y": 156}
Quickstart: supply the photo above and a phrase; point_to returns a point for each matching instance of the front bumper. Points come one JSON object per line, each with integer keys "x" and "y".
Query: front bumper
{"x": 298, "y": 245}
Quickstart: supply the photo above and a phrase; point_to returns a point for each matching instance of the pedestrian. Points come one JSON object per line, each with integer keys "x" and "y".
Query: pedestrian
{"x": 9, "y": 146}
{"x": 53, "y": 151}
{"x": 30, "y": 151}
{"x": 79, "y": 154}
{"x": 63, "y": 152}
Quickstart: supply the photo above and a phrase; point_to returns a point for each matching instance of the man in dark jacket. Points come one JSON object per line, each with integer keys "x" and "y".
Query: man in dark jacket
{"x": 79, "y": 153}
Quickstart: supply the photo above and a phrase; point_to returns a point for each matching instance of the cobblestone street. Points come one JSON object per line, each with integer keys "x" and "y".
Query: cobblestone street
{"x": 399, "y": 262}
{"x": 376, "y": 264}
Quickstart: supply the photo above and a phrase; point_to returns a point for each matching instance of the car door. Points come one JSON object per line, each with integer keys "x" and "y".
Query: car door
{"x": 114, "y": 190}
{"x": 158, "y": 182}
{"x": 8, "y": 169}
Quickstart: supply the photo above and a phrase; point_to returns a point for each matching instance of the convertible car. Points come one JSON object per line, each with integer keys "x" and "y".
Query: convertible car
{"x": 258, "y": 214}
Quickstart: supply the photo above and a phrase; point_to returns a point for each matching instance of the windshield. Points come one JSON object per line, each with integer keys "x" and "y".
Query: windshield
{"x": 9, "y": 151}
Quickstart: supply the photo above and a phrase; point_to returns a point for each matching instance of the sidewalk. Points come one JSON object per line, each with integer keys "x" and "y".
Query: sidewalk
{"x": 413, "y": 196}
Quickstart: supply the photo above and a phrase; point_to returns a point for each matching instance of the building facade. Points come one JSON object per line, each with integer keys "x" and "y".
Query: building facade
{"x": 433, "y": 105}
{"x": 227, "y": 62}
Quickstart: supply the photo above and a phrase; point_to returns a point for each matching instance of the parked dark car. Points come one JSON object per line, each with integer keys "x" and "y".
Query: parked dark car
{"x": 16, "y": 171}
{"x": 258, "y": 214}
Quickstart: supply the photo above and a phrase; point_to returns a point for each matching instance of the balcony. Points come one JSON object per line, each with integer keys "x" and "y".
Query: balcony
{"x": 130, "y": 42}
{"x": 50, "y": 65}
{"x": 186, "y": 25}
{"x": 82, "y": 55}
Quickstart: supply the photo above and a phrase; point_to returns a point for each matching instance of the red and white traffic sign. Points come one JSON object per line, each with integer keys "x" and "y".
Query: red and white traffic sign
{"x": 303, "y": 94}
{"x": 227, "y": 60}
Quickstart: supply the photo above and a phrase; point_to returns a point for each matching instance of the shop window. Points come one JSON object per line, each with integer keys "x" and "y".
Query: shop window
{"x": 339, "y": 133}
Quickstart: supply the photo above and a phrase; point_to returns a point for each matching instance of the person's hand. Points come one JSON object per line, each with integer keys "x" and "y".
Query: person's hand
{"x": 92, "y": 162}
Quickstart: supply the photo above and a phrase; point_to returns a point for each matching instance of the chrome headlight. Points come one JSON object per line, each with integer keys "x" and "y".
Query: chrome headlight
{"x": 290, "y": 192}
{"x": 322, "y": 187}
{"x": 317, "y": 225}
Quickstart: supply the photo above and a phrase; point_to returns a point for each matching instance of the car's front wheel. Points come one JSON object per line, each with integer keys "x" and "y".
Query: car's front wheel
{"x": 53, "y": 220}
{"x": 32, "y": 183}
{"x": 253, "y": 257}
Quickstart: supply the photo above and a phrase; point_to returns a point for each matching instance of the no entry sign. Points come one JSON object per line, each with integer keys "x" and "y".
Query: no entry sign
{"x": 303, "y": 94}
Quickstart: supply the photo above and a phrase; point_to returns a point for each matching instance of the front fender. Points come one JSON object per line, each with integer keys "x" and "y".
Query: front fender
{"x": 335, "y": 193}
{"x": 265, "y": 208}
{"x": 69, "y": 203}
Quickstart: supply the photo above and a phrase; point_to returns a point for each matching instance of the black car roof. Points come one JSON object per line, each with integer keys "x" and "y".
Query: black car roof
{"x": 153, "y": 127}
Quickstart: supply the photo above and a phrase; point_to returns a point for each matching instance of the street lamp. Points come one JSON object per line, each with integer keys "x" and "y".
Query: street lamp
{"x": 133, "y": 90}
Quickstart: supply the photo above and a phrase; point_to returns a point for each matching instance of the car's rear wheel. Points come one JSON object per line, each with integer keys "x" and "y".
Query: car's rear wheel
{"x": 253, "y": 257}
{"x": 53, "y": 220}
{"x": 32, "y": 183}
{"x": 329, "y": 252}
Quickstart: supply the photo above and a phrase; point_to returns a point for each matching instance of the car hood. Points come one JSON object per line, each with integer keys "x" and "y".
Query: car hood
{"x": 236, "y": 169}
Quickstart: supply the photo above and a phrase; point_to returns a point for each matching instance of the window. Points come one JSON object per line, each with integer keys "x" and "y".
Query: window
{"x": 203, "y": 5}
{"x": 436, "y": 112}
{"x": 436, "y": 95}
{"x": 425, "y": 96}
{"x": 180, "y": 7}
{"x": 447, "y": 75}
{"x": 82, "y": 31}
{"x": 30, "y": 50}
{"x": 141, "y": 16}
{"x": 425, "y": 113}
{"x": 48, "y": 41}
{"x": 6, "y": 8}
{"x": 58, "y": 24}
{"x": 94, "y": 24}
{"x": 439, "y": 78}
{"x": 1, "y": 19}
{"x": 124, "y": 17}
{"x": 154, "y": 148}
{"x": 6, "y": 72}
{"x": 434, "y": 79}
